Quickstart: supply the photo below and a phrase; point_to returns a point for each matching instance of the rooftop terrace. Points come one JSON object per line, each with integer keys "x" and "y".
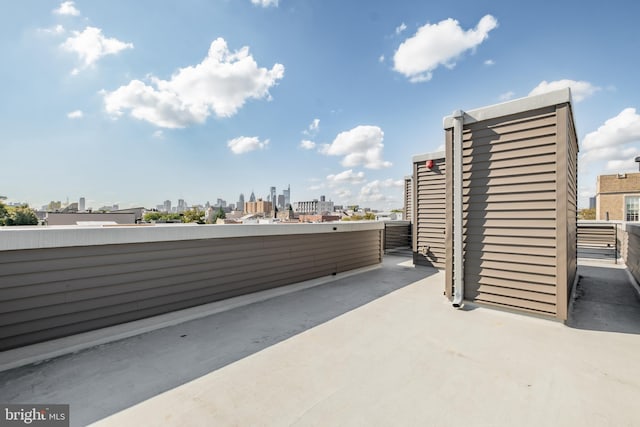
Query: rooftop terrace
{"x": 379, "y": 347}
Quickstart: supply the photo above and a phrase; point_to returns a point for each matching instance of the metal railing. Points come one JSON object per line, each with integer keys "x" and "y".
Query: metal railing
{"x": 598, "y": 241}
{"x": 397, "y": 235}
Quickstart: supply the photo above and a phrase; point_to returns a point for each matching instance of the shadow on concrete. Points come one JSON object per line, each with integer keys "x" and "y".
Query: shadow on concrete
{"x": 103, "y": 380}
{"x": 605, "y": 300}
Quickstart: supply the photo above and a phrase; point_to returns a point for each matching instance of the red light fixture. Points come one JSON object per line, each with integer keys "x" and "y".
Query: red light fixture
{"x": 429, "y": 164}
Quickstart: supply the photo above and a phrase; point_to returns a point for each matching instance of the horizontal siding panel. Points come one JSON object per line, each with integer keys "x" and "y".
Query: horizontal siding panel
{"x": 509, "y": 143}
{"x": 512, "y": 241}
{"x": 510, "y": 223}
{"x": 491, "y": 182}
{"x": 509, "y": 265}
{"x": 513, "y": 163}
{"x": 103, "y": 285}
{"x": 515, "y": 153}
{"x": 153, "y": 266}
{"x": 516, "y": 304}
{"x": 511, "y": 232}
{"x": 510, "y": 197}
{"x": 472, "y": 272}
{"x": 517, "y": 293}
{"x": 523, "y": 170}
{"x": 516, "y": 284}
{"x": 511, "y": 188}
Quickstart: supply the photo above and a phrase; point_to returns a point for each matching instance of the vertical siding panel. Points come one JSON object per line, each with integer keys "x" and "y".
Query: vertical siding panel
{"x": 430, "y": 188}
{"x": 562, "y": 188}
{"x": 448, "y": 286}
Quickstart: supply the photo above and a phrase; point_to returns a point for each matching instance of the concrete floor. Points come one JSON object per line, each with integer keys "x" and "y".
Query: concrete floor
{"x": 379, "y": 348}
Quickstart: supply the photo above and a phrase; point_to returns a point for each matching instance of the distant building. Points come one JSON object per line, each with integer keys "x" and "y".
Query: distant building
{"x": 258, "y": 207}
{"x": 319, "y": 218}
{"x": 182, "y": 206}
{"x": 252, "y": 198}
{"x": 272, "y": 196}
{"x": 592, "y": 202}
{"x": 167, "y": 206}
{"x": 240, "y": 204}
{"x": 281, "y": 202}
{"x": 87, "y": 219}
{"x": 287, "y": 197}
{"x": 618, "y": 197}
{"x": 314, "y": 207}
{"x": 81, "y": 204}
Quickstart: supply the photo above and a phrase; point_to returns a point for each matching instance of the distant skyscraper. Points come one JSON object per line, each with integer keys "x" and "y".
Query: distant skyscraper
{"x": 81, "y": 204}
{"x": 280, "y": 201}
{"x": 287, "y": 197}
{"x": 252, "y": 198}
{"x": 182, "y": 206}
{"x": 241, "y": 202}
{"x": 167, "y": 205}
{"x": 272, "y": 196}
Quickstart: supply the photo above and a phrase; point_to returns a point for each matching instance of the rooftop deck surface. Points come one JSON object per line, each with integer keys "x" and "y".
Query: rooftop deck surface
{"x": 382, "y": 347}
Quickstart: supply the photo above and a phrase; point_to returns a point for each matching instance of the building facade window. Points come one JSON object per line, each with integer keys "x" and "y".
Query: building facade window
{"x": 632, "y": 208}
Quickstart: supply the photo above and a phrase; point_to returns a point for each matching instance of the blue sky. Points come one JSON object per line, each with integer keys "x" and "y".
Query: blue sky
{"x": 136, "y": 102}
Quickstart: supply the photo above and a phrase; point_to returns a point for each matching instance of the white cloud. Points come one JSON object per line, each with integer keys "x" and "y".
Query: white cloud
{"x": 361, "y": 145}
{"x": 381, "y": 58}
{"x": 345, "y": 177}
{"x": 220, "y": 84}
{"x": 265, "y": 3}
{"x": 77, "y": 114}
{"x": 90, "y": 45}
{"x": 307, "y": 145}
{"x": 489, "y": 62}
{"x": 619, "y": 130}
{"x": 506, "y": 96}
{"x": 245, "y": 144}
{"x": 158, "y": 134}
{"x": 343, "y": 194}
{"x": 57, "y": 30}
{"x": 579, "y": 89}
{"x": 313, "y": 128}
{"x": 400, "y": 28}
{"x": 67, "y": 8}
{"x": 438, "y": 44}
{"x": 372, "y": 191}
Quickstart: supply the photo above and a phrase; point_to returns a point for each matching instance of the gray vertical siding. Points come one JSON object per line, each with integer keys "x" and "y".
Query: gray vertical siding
{"x": 519, "y": 210}
{"x": 429, "y": 228}
{"x": 53, "y": 292}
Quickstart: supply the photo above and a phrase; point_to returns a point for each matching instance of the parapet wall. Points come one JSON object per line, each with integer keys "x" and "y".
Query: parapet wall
{"x": 56, "y": 282}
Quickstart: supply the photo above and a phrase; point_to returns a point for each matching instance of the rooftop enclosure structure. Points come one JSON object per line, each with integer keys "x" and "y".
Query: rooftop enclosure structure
{"x": 429, "y": 171}
{"x": 618, "y": 197}
{"x": 56, "y": 282}
{"x": 511, "y": 185}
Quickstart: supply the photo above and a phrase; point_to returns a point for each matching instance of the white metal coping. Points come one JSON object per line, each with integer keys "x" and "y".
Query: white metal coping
{"x": 16, "y": 238}
{"x": 428, "y": 156}
{"x": 515, "y": 106}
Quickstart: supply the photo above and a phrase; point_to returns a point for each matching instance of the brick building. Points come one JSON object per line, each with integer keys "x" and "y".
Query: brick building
{"x": 258, "y": 207}
{"x": 618, "y": 197}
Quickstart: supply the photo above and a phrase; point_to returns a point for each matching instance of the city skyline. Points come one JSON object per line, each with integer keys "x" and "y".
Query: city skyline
{"x": 208, "y": 98}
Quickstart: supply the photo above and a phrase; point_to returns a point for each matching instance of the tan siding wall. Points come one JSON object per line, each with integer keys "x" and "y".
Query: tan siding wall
{"x": 632, "y": 258}
{"x": 54, "y": 292}
{"x": 429, "y": 246}
{"x": 509, "y": 202}
{"x": 408, "y": 199}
